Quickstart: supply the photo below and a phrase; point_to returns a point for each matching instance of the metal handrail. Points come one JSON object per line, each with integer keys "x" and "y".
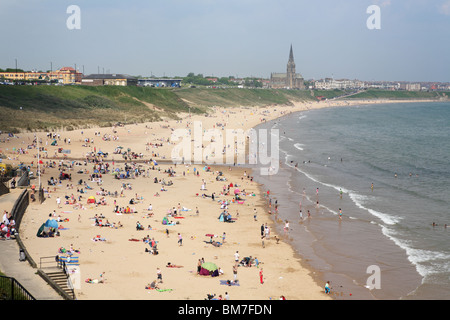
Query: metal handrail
{"x": 60, "y": 264}
{"x": 16, "y": 290}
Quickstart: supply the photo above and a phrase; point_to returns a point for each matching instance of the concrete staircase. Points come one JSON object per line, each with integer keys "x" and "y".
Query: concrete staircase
{"x": 59, "y": 281}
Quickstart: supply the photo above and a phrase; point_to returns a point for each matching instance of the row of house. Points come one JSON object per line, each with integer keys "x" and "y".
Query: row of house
{"x": 346, "y": 84}
{"x": 66, "y": 75}
{"x": 331, "y": 84}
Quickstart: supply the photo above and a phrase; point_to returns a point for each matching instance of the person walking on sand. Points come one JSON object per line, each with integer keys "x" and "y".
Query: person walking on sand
{"x": 327, "y": 287}
{"x": 261, "y": 277}
{"x": 159, "y": 275}
{"x": 180, "y": 239}
{"x": 58, "y": 202}
{"x": 286, "y": 227}
{"x": 235, "y": 273}
{"x": 236, "y": 257}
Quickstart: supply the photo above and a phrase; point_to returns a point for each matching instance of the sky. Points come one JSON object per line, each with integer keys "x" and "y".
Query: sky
{"x": 240, "y": 38}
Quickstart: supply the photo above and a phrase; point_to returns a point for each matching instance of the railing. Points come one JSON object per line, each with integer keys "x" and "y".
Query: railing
{"x": 11, "y": 289}
{"x": 44, "y": 262}
{"x": 48, "y": 262}
{"x": 19, "y": 208}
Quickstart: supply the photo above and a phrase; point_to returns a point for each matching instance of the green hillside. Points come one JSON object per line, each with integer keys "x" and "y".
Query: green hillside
{"x": 398, "y": 95}
{"x": 236, "y": 97}
{"x": 48, "y": 107}
{"x": 45, "y": 107}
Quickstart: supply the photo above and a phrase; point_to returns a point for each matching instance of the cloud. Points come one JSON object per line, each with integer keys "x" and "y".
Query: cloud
{"x": 445, "y": 8}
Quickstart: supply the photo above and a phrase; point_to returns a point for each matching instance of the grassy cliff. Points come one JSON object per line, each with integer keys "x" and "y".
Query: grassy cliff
{"x": 399, "y": 95}
{"x": 47, "y": 107}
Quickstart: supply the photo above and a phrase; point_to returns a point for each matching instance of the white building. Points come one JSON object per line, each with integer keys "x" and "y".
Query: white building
{"x": 331, "y": 84}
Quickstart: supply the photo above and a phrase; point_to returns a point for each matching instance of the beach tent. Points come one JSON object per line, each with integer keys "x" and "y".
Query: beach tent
{"x": 236, "y": 191}
{"x": 165, "y": 221}
{"x": 208, "y": 268}
{"x": 91, "y": 199}
{"x": 51, "y": 223}
{"x": 54, "y": 143}
{"x": 41, "y": 229}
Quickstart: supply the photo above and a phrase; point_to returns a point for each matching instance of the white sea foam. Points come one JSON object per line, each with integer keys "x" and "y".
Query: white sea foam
{"x": 299, "y": 146}
{"x": 423, "y": 260}
{"x": 358, "y": 200}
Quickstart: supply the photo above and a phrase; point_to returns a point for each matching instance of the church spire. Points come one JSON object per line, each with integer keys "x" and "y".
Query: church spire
{"x": 291, "y": 55}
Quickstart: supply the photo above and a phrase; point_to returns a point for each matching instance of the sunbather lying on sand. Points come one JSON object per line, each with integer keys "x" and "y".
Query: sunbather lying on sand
{"x": 169, "y": 265}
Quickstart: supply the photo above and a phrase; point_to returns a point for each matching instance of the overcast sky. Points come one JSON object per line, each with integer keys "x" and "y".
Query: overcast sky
{"x": 241, "y": 38}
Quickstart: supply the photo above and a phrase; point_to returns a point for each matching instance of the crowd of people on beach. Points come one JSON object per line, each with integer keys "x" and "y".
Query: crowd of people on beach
{"x": 92, "y": 172}
{"x": 7, "y": 226}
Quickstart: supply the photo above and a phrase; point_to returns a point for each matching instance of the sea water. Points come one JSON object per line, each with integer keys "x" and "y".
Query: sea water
{"x": 376, "y": 182}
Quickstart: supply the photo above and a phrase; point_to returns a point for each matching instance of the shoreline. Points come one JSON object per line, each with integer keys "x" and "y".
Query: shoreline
{"x": 412, "y": 278}
{"x": 254, "y": 121}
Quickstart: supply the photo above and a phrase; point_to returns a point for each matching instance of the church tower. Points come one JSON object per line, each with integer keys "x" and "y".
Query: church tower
{"x": 290, "y": 74}
{"x": 290, "y": 79}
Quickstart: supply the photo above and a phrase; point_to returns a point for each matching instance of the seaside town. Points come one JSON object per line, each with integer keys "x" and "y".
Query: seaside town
{"x": 96, "y": 199}
{"x": 75, "y": 76}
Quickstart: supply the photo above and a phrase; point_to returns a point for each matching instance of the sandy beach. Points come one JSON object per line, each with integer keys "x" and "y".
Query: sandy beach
{"x": 127, "y": 266}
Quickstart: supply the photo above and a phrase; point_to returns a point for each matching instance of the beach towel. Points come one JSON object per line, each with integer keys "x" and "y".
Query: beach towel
{"x": 163, "y": 290}
{"x": 229, "y": 283}
{"x": 71, "y": 261}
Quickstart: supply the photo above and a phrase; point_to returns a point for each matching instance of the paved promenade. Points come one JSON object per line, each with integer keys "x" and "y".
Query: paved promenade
{"x": 11, "y": 266}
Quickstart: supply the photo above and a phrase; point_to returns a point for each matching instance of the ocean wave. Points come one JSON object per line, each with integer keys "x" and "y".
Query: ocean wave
{"x": 426, "y": 262}
{"x": 299, "y": 146}
{"x": 358, "y": 200}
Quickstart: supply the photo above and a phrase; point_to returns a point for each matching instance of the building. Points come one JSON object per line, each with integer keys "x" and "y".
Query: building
{"x": 65, "y": 75}
{"x": 109, "y": 80}
{"x": 290, "y": 79}
{"x": 342, "y": 84}
{"x": 160, "y": 83}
